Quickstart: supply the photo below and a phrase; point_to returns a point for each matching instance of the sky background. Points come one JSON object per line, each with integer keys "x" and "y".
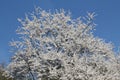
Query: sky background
{"x": 107, "y": 19}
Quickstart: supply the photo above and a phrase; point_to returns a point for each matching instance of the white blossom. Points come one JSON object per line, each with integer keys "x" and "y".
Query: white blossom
{"x": 56, "y": 46}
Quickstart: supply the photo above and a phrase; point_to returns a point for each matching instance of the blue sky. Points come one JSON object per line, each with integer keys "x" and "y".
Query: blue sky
{"x": 107, "y": 20}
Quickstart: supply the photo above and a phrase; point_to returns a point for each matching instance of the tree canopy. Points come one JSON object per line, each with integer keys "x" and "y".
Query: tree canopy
{"x": 54, "y": 46}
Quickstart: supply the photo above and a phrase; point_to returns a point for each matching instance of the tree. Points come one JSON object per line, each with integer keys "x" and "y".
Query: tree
{"x": 54, "y": 46}
{"x": 2, "y": 72}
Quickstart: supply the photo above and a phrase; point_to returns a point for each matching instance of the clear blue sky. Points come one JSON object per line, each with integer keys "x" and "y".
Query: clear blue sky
{"x": 108, "y": 19}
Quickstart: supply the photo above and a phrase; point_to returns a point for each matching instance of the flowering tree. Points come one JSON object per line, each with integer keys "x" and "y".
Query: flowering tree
{"x": 53, "y": 46}
{"x": 2, "y": 72}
